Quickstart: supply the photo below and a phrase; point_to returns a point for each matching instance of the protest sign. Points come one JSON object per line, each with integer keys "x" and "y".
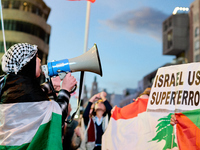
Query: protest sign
{"x": 145, "y": 124}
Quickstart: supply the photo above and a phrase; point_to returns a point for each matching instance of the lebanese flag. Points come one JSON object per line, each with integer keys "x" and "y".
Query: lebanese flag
{"x": 92, "y": 1}
{"x": 134, "y": 127}
{"x": 188, "y": 130}
{"x": 124, "y": 126}
{"x": 129, "y": 128}
{"x": 42, "y": 129}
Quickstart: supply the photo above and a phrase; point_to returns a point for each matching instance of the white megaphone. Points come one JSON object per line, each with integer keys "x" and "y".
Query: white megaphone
{"x": 89, "y": 61}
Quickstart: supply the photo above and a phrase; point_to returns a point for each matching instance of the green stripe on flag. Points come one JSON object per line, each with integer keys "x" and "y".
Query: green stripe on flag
{"x": 48, "y": 136}
{"x": 22, "y": 147}
{"x": 194, "y": 116}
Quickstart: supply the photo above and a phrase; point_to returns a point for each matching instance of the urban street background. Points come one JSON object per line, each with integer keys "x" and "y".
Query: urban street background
{"x": 128, "y": 34}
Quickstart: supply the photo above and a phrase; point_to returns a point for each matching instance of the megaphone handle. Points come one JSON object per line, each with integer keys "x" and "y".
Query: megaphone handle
{"x": 62, "y": 75}
{"x": 74, "y": 88}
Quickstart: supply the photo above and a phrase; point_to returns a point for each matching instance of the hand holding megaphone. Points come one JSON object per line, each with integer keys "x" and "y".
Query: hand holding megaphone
{"x": 68, "y": 83}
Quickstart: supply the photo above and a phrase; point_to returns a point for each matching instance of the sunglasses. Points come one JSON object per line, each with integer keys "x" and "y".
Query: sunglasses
{"x": 99, "y": 101}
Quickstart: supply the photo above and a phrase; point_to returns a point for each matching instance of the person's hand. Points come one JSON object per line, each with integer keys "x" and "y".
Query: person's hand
{"x": 68, "y": 82}
{"x": 103, "y": 95}
{"x": 91, "y": 109}
{"x": 173, "y": 120}
{"x": 77, "y": 131}
{"x": 174, "y": 148}
{"x": 113, "y": 109}
{"x": 95, "y": 98}
{"x": 56, "y": 82}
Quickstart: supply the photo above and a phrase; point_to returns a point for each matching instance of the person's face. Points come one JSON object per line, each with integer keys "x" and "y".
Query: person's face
{"x": 38, "y": 65}
{"x": 100, "y": 105}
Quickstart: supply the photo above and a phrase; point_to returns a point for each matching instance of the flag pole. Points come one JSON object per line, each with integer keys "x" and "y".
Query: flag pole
{"x": 87, "y": 21}
{"x": 2, "y": 24}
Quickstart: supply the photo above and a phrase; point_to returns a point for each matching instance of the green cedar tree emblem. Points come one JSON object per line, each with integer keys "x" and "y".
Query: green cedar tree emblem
{"x": 164, "y": 132}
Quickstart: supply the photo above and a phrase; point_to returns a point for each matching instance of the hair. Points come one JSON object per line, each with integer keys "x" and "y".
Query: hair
{"x": 146, "y": 92}
{"x": 29, "y": 69}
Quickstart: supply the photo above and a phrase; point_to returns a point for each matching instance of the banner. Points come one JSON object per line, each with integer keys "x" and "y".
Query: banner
{"x": 147, "y": 127}
{"x": 176, "y": 88}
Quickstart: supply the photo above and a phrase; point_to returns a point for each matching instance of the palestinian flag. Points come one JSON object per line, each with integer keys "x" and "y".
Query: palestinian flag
{"x": 31, "y": 126}
{"x": 188, "y": 130}
{"x": 134, "y": 127}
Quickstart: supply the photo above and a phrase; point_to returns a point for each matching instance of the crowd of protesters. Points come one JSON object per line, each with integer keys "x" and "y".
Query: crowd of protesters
{"x": 22, "y": 67}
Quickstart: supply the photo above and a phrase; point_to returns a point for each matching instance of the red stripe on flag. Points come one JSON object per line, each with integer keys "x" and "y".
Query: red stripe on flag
{"x": 188, "y": 134}
{"x": 84, "y": 0}
{"x": 131, "y": 110}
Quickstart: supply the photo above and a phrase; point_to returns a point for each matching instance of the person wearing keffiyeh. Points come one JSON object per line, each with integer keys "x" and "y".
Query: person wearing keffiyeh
{"x": 29, "y": 119}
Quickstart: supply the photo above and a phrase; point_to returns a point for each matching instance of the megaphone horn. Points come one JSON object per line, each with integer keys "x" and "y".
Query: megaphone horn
{"x": 89, "y": 61}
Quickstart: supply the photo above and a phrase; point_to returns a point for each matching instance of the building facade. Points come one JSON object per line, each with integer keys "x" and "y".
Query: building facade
{"x": 181, "y": 35}
{"x": 116, "y": 99}
{"x": 194, "y": 24}
{"x": 176, "y": 37}
{"x": 26, "y": 21}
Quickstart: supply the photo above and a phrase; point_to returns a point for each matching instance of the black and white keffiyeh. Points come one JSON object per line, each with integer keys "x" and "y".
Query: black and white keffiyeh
{"x": 18, "y": 56}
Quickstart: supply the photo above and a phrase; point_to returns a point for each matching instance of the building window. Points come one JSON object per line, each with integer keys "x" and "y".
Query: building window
{"x": 8, "y": 45}
{"x": 197, "y": 58}
{"x": 36, "y": 10}
{"x": 170, "y": 22}
{"x": 165, "y": 26}
{"x": 1, "y": 47}
{"x": 196, "y": 31}
{"x": 45, "y": 16}
{"x": 26, "y": 6}
{"x": 5, "y": 4}
{"x": 169, "y": 39}
{"x": 26, "y": 27}
{"x": 196, "y": 45}
{"x": 196, "y": 17}
{"x": 16, "y": 4}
